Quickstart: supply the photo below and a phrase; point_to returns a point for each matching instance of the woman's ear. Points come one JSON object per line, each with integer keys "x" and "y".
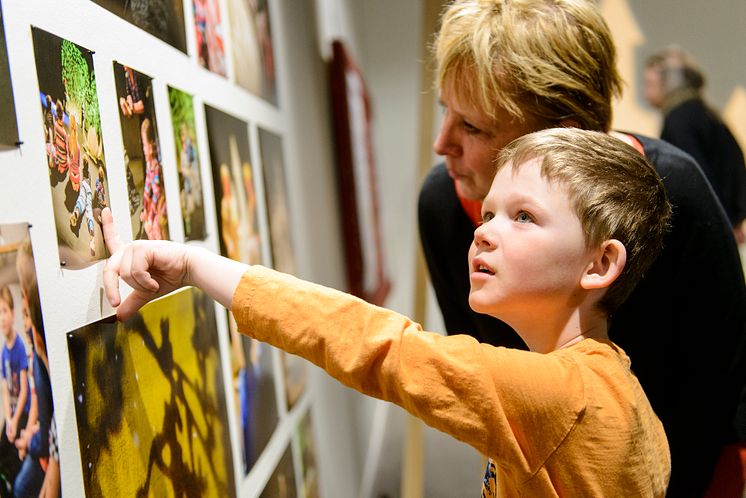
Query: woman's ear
{"x": 606, "y": 267}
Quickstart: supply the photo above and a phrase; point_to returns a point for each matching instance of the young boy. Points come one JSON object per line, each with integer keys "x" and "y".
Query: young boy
{"x": 15, "y": 391}
{"x": 572, "y": 221}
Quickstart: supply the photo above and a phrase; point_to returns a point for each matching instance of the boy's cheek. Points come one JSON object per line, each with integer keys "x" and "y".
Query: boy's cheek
{"x": 470, "y": 254}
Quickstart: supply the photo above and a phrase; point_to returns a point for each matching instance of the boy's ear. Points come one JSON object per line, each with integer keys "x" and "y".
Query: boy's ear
{"x": 606, "y": 267}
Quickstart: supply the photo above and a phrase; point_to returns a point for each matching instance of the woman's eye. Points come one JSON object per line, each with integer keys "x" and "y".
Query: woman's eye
{"x": 470, "y": 128}
{"x": 524, "y": 217}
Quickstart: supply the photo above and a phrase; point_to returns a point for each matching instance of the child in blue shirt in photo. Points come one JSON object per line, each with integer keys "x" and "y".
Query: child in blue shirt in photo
{"x": 15, "y": 391}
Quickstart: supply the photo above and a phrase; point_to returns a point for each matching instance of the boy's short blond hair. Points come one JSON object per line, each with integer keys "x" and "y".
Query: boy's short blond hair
{"x": 553, "y": 59}
{"x": 616, "y": 193}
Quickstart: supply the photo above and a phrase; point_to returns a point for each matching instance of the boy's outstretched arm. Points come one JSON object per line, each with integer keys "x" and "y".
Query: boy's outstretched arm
{"x": 154, "y": 268}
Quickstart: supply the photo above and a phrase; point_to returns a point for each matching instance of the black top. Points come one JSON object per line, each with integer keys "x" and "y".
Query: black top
{"x": 696, "y": 129}
{"x": 683, "y": 327}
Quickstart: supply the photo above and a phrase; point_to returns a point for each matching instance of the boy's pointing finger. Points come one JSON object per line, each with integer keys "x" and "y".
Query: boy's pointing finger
{"x": 111, "y": 269}
{"x": 111, "y": 237}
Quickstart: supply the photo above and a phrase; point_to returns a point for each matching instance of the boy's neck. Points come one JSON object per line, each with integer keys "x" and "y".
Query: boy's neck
{"x": 545, "y": 336}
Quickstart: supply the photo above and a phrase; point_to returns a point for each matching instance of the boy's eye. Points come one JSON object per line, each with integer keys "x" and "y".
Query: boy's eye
{"x": 487, "y": 217}
{"x": 524, "y": 217}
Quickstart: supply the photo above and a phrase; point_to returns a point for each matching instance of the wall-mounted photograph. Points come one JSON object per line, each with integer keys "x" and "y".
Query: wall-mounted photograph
{"x": 208, "y": 31}
{"x": 238, "y": 227}
{"x": 74, "y": 147}
{"x": 9, "y": 124}
{"x": 150, "y": 402}
{"x": 233, "y": 182}
{"x": 278, "y": 206}
{"x": 366, "y": 275}
{"x": 254, "y": 393}
{"x": 187, "y": 163}
{"x": 29, "y": 460}
{"x": 281, "y": 243}
{"x": 253, "y": 54}
{"x": 142, "y": 154}
{"x": 281, "y": 483}
{"x": 163, "y": 19}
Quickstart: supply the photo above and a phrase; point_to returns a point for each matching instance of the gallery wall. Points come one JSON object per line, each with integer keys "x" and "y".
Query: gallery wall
{"x": 237, "y": 122}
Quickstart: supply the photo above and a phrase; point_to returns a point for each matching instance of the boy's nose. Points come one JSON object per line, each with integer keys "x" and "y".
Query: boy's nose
{"x": 481, "y": 236}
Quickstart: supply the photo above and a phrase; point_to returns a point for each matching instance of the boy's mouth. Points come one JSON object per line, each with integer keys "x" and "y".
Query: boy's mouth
{"x": 484, "y": 269}
{"x": 479, "y": 267}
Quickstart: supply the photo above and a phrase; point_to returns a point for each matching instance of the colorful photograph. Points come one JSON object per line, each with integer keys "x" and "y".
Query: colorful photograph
{"x": 163, "y": 19}
{"x": 187, "y": 162}
{"x": 142, "y": 154}
{"x": 150, "y": 402}
{"x": 208, "y": 29}
{"x": 254, "y": 393}
{"x": 251, "y": 361}
{"x": 74, "y": 149}
{"x": 233, "y": 183}
{"x": 29, "y": 459}
{"x": 308, "y": 457}
{"x": 8, "y": 125}
{"x": 253, "y": 55}
{"x": 282, "y": 482}
{"x": 283, "y": 258}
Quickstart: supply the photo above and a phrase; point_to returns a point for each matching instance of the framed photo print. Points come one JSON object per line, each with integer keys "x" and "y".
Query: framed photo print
{"x": 357, "y": 182}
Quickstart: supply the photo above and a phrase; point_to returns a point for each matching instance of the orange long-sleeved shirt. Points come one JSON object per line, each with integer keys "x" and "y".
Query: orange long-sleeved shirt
{"x": 573, "y": 422}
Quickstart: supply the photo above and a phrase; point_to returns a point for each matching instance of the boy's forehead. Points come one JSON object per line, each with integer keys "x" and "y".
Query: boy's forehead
{"x": 512, "y": 167}
{"x": 530, "y": 171}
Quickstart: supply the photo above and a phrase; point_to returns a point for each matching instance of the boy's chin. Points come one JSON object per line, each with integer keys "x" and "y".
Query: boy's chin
{"x": 476, "y": 304}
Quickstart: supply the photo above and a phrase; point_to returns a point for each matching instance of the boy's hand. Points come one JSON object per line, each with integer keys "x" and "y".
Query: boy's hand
{"x": 151, "y": 268}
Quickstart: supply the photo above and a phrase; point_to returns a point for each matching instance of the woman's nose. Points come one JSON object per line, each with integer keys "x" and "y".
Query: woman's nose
{"x": 446, "y": 143}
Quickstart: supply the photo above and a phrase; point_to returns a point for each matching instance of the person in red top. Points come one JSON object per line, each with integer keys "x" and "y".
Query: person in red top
{"x": 507, "y": 68}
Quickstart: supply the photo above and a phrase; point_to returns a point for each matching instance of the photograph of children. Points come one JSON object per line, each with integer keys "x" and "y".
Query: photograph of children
{"x": 283, "y": 259}
{"x": 150, "y": 402}
{"x": 234, "y": 187}
{"x": 254, "y": 393}
{"x": 142, "y": 154}
{"x": 187, "y": 159}
{"x": 74, "y": 149}
{"x": 308, "y": 457}
{"x": 163, "y": 19}
{"x": 238, "y": 227}
{"x": 253, "y": 55}
{"x": 29, "y": 460}
{"x": 8, "y": 124}
{"x": 209, "y": 35}
{"x": 282, "y": 482}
